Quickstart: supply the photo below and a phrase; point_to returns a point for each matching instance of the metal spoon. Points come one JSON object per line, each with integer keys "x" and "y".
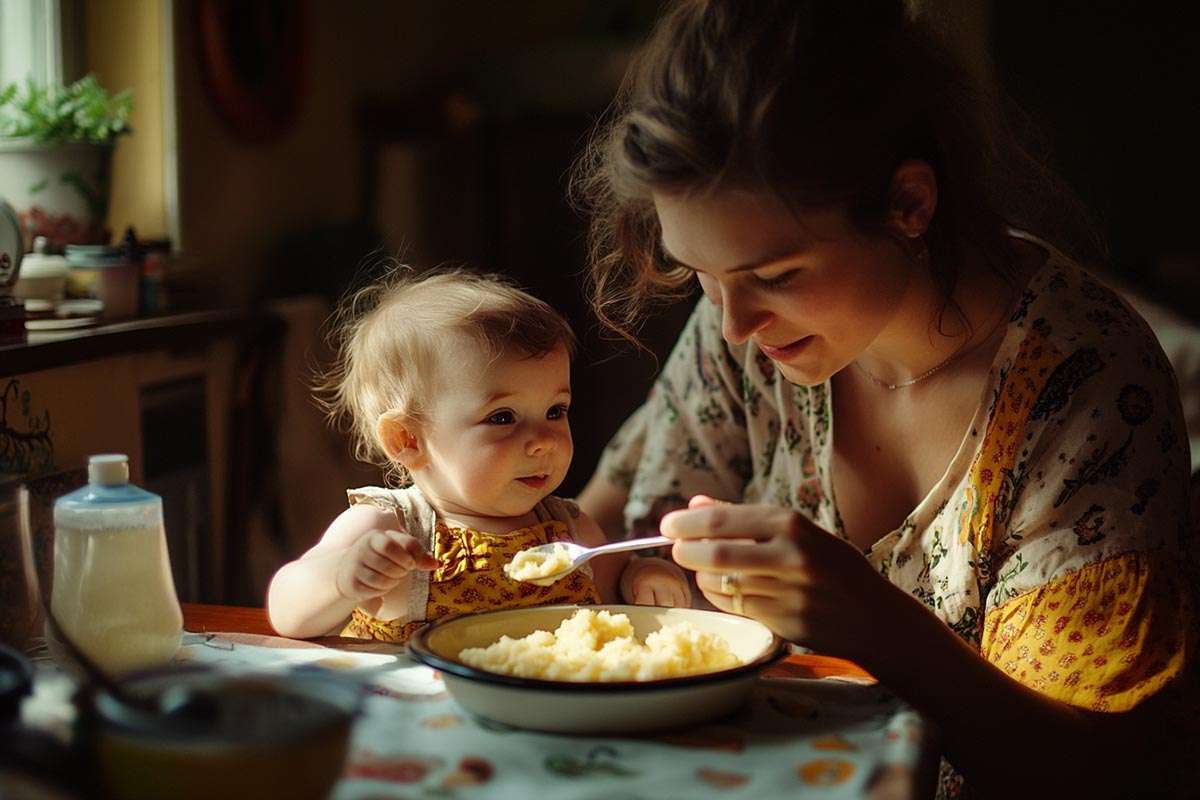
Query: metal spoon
{"x": 580, "y": 555}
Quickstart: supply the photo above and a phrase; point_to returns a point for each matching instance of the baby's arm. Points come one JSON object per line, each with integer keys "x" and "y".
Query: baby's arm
{"x": 361, "y": 556}
{"x": 622, "y": 579}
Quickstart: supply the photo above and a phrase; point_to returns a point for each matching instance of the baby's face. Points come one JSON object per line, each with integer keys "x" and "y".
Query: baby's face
{"x": 497, "y": 437}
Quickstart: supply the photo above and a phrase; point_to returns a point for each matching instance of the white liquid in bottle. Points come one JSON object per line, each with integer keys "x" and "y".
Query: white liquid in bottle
{"x": 113, "y": 593}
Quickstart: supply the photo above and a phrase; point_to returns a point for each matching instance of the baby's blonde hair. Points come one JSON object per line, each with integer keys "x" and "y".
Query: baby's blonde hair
{"x": 386, "y": 337}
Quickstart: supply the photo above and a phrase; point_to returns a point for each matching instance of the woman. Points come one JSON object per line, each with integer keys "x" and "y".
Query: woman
{"x": 945, "y": 450}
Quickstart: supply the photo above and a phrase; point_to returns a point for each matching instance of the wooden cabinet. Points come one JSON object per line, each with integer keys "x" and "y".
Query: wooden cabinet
{"x": 163, "y": 394}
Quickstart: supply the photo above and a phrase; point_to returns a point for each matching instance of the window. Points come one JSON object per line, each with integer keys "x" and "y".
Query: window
{"x": 38, "y": 39}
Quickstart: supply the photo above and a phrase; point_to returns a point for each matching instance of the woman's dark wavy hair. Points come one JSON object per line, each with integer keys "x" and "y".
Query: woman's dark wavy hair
{"x": 817, "y": 101}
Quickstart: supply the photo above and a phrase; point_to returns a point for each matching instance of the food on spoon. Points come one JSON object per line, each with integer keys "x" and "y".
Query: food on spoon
{"x": 536, "y": 563}
{"x": 599, "y": 646}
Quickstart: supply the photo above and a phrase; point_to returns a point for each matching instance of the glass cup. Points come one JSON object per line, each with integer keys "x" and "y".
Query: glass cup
{"x": 20, "y": 605}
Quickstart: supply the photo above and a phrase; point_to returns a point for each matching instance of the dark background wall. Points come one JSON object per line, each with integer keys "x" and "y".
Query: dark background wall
{"x": 443, "y": 132}
{"x": 1114, "y": 88}
{"x": 425, "y": 132}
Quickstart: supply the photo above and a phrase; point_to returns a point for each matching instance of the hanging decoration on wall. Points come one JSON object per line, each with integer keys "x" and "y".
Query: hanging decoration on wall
{"x": 252, "y": 56}
{"x": 28, "y": 450}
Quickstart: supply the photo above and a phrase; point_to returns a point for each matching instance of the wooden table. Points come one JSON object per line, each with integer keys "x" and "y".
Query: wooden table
{"x": 200, "y": 618}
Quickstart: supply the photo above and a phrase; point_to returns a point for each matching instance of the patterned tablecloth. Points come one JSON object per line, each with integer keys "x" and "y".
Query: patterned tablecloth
{"x": 796, "y": 737}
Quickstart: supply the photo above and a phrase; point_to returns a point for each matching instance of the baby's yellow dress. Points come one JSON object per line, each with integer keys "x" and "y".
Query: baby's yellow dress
{"x": 470, "y": 576}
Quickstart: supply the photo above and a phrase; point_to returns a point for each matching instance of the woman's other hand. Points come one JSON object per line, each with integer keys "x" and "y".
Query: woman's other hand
{"x": 807, "y": 585}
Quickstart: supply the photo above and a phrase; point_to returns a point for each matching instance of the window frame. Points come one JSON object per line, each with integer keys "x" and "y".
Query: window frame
{"x": 40, "y": 39}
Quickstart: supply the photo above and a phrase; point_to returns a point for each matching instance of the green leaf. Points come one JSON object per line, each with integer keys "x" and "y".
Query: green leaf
{"x": 81, "y": 112}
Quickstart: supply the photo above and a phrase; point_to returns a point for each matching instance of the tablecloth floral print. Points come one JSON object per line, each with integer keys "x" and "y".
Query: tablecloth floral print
{"x": 794, "y": 738}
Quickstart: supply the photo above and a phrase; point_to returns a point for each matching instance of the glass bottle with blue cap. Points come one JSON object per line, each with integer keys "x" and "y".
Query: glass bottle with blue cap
{"x": 113, "y": 594}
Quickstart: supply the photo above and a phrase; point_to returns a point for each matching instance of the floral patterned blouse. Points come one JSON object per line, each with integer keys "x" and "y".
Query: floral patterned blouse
{"x": 1052, "y": 543}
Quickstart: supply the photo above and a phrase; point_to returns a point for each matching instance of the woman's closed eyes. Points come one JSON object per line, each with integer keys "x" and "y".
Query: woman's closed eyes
{"x": 776, "y": 281}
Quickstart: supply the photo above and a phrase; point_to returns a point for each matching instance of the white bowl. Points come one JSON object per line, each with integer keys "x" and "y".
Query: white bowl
{"x": 595, "y": 708}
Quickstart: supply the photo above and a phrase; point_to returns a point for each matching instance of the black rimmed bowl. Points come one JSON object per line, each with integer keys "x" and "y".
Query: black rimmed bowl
{"x": 247, "y": 735}
{"x": 617, "y": 707}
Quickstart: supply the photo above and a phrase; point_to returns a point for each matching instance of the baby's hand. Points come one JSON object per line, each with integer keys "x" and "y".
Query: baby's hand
{"x": 655, "y": 582}
{"x": 375, "y": 563}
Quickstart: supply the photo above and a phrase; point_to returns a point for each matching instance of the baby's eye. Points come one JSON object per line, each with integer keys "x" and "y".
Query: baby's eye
{"x": 502, "y": 418}
{"x": 557, "y": 412}
{"x": 780, "y": 280}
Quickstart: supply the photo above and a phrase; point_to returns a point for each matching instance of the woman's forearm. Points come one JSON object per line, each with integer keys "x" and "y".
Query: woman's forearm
{"x": 604, "y": 502}
{"x": 1003, "y": 736}
{"x": 303, "y": 599}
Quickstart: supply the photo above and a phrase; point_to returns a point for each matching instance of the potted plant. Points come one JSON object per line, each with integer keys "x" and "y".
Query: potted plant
{"x": 56, "y": 147}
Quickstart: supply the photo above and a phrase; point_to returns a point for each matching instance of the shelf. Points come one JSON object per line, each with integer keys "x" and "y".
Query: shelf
{"x": 180, "y": 331}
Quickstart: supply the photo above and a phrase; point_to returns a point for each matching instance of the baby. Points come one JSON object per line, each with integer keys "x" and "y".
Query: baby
{"x": 458, "y": 384}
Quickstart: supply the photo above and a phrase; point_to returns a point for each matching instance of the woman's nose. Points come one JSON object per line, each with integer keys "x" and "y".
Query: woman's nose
{"x": 740, "y": 320}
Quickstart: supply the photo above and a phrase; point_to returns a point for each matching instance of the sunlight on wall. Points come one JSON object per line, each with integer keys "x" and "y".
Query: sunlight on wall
{"x": 123, "y": 47}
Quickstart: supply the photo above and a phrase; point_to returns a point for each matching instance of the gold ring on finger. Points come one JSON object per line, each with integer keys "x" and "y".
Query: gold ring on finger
{"x": 731, "y": 584}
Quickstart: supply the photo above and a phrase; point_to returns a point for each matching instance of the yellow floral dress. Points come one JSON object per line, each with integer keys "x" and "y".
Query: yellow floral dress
{"x": 1055, "y": 543}
{"x": 470, "y": 575}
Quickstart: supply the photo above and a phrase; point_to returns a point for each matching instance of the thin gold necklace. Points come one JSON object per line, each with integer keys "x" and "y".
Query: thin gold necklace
{"x": 950, "y": 359}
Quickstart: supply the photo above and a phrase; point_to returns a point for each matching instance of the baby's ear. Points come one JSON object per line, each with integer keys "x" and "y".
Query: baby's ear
{"x": 401, "y": 441}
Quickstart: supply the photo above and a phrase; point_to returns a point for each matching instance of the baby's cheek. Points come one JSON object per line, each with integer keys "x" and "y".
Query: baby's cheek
{"x": 485, "y": 485}
{"x": 565, "y": 448}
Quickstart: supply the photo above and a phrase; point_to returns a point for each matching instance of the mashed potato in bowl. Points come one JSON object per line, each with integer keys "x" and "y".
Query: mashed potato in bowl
{"x": 612, "y": 706}
{"x": 599, "y": 646}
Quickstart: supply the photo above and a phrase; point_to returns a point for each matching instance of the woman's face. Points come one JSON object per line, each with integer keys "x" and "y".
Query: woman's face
{"x": 808, "y": 288}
